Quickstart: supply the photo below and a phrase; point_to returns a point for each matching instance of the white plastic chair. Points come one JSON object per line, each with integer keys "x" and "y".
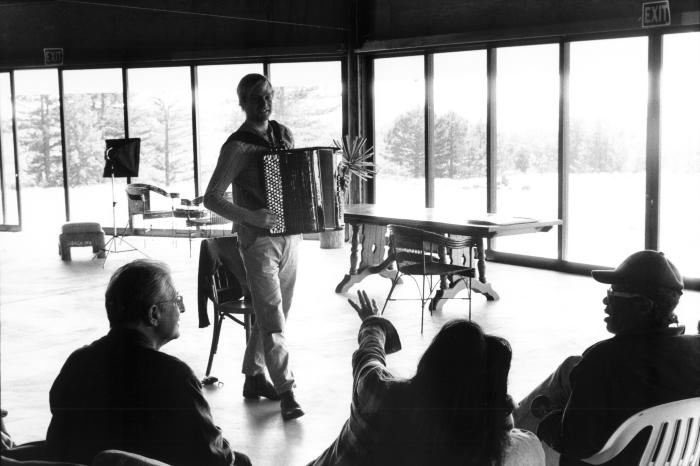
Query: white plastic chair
{"x": 674, "y": 439}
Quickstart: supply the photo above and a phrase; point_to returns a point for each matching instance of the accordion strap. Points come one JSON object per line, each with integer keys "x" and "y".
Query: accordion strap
{"x": 253, "y": 138}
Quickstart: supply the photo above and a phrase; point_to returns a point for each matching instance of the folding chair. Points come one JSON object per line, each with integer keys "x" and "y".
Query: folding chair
{"x": 427, "y": 254}
{"x": 227, "y": 291}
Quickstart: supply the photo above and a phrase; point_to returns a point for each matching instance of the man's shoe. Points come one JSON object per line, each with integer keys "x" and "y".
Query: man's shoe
{"x": 257, "y": 385}
{"x": 289, "y": 406}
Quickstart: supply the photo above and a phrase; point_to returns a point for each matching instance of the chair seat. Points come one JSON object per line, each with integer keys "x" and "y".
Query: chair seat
{"x": 236, "y": 307}
{"x": 437, "y": 269}
{"x": 81, "y": 227}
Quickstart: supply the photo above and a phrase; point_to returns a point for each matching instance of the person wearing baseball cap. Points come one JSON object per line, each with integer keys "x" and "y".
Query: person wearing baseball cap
{"x": 648, "y": 361}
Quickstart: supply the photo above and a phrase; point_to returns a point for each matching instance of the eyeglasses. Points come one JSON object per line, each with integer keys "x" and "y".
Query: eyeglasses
{"x": 178, "y": 301}
{"x": 617, "y": 295}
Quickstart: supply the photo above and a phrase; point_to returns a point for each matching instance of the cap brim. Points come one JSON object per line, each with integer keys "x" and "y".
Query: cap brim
{"x": 604, "y": 276}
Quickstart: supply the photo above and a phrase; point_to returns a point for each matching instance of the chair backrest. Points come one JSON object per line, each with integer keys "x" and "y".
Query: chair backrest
{"x": 414, "y": 248}
{"x": 139, "y": 196}
{"x": 225, "y": 286}
{"x": 674, "y": 438}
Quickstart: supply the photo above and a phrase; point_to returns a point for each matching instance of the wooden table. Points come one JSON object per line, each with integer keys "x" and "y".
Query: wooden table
{"x": 369, "y": 221}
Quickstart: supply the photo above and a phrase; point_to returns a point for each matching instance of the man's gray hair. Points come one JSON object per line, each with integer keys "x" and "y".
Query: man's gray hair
{"x": 133, "y": 289}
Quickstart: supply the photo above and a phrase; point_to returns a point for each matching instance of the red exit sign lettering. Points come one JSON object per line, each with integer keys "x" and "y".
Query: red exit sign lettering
{"x": 656, "y": 14}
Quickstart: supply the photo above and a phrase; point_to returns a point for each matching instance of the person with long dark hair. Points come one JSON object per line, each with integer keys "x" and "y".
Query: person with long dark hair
{"x": 454, "y": 411}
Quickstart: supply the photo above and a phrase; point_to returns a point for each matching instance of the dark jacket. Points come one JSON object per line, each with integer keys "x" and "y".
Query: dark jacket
{"x": 617, "y": 378}
{"x": 214, "y": 253}
{"x": 117, "y": 393}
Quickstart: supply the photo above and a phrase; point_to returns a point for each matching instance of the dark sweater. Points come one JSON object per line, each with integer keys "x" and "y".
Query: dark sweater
{"x": 617, "y": 378}
{"x": 117, "y": 393}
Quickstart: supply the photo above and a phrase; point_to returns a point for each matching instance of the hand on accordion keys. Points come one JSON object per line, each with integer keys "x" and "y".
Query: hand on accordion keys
{"x": 262, "y": 218}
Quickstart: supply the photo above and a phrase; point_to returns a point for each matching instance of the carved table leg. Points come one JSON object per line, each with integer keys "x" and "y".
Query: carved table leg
{"x": 345, "y": 284}
{"x": 371, "y": 256}
{"x": 479, "y": 284}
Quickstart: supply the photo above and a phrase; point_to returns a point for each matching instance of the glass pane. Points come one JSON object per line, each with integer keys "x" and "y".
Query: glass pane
{"x": 9, "y": 185}
{"x": 160, "y": 113}
{"x": 308, "y": 99}
{"x": 527, "y": 124}
{"x": 218, "y": 113}
{"x": 607, "y": 149}
{"x": 680, "y": 152}
{"x": 94, "y": 111}
{"x": 460, "y": 96}
{"x": 399, "y": 131}
{"x": 39, "y": 149}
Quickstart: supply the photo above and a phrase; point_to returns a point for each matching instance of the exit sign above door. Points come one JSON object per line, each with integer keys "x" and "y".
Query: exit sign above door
{"x": 656, "y": 14}
{"x": 53, "y": 56}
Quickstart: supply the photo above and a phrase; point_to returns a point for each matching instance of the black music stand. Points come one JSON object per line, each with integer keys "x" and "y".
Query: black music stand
{"x": 121, "y": 161}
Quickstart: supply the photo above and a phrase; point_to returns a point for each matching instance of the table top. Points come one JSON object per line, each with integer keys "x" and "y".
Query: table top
{"x": 447, "y": 221}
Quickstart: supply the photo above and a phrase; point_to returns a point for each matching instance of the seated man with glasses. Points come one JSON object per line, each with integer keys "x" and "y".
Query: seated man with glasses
{"x": 647, "y": 362}
{"x": 121, "y": 393}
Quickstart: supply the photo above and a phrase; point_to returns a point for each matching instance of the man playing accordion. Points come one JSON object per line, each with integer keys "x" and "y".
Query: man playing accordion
{"x": 270, "y": 261}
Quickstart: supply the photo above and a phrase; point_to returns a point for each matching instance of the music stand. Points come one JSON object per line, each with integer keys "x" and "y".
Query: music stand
{"x": 121, "y": 161}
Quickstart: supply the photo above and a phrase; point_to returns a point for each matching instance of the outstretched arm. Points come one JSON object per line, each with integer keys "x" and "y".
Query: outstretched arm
{"x": 377, "y": 338}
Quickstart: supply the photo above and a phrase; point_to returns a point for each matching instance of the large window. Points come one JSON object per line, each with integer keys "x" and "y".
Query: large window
{"x": 39, "y": 149}
{"x": 399, "y": 131}
{"x": 680, "y": 151}
{"x": 9, "y": 214}
{"x": 160, "y": 113}
{"x": 459, "y": 92}
{"x": 308, "y": 99}
{"x": 93, "y": 112}
{"x": 218, "y": 113}
{"x": 607, "y": 148}
{"x": 527, "y": 98}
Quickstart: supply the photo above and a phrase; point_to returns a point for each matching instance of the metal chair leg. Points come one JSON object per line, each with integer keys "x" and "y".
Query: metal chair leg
{"x": 391, "y": 291}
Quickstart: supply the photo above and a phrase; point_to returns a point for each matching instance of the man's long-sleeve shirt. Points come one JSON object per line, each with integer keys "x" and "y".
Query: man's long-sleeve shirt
{"x": 616, "y": 379}
{"x": 117, "y": 393}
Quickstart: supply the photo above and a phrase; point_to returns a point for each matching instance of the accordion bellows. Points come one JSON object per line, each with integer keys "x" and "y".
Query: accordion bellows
{"x": 301, "y": 187}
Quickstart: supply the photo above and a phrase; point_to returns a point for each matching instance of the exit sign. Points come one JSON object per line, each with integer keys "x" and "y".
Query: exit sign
{"x": 656, "y": 14}
{"x": 53, "y": 56}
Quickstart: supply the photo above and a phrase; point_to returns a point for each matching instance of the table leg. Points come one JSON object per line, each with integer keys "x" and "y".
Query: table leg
{"x": 369, "y": 259}
{"x": 345, "y": 284}
{"x": 481, "y": 260}
{"x": 478, "y": 284}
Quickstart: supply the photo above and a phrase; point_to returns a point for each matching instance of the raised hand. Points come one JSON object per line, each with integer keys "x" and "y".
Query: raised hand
{"x": 364, "y": 307}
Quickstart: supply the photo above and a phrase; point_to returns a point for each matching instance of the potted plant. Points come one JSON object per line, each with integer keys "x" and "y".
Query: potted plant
{"x": 355, "y": 161}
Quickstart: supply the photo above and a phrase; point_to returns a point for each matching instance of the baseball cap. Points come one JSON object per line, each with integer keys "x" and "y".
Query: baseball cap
{"x": 643, "y": 270}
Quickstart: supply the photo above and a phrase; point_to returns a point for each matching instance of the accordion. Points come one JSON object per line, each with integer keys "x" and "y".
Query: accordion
{"x": 301, "y": 187}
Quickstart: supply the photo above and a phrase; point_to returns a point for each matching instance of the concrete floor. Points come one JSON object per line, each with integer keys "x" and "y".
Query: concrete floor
{"x": 48, "y": 308}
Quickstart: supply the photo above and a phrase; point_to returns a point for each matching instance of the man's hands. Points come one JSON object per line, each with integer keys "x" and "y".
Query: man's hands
{"x": 364, "y": 307}
{"x": 262, "y": 218}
